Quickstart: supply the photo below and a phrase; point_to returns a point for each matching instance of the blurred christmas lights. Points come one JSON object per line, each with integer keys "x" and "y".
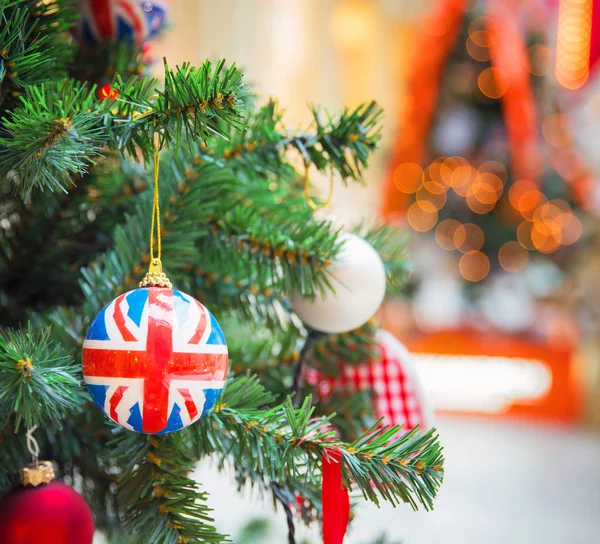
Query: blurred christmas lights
{"x": 573, "y": 43}
{"x": 541, "y": 225}
{"x": 493, "y": 82}
{"x": 513, "y": 257}
{"x": 474, "y": 266}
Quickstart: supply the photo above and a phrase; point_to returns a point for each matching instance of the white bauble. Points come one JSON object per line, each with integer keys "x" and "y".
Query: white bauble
{"x": 358, "y": 280}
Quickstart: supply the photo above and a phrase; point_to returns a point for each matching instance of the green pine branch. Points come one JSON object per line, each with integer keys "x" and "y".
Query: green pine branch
{"x": 54, "y": 134}
{"x": 38, "y": 381}
{"x": 34, "y": 45}
{"x": 159, "y": 502}
{"x": 284, "y": 443}
{"x": 60, "y": 128}
{"x": 287, "y": 253}
{"x": 343, "y": 142}
{"x": 193, "y": 104}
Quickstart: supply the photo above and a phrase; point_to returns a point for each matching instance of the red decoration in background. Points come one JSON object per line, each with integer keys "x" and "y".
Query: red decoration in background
{"x": 49, "y": 514}
{"x": 398, "y": 400}
{"x": 508, "y": 52}
{"x": 106, "y": 91}
{"x": 433, "y": 44}
{"x": 336, "y": 501}
{"x": 392, "y": 376}
{"x": 595, "y": 38}
{"x": 508, "y": 58}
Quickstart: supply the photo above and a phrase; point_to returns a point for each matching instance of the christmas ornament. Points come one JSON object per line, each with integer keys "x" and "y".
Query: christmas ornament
{"x": 358, "y": 279}
{"x": 135, "y": 20}
{"x": 398, "y": 397}
{"x": 154, "y": 359}
{"x": 44, "y": 511}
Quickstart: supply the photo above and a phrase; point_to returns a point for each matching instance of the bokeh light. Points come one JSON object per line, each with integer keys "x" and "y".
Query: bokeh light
{"x": 512, "y": 257}
{"x": 408, "y": 177}
{"x": 555, "y": 130}
{"x": 487, "y": 188}
{"x": 422, "y": 216}
{"x": 474, "y": 266}
{"x": 437, "y": 199}
{"x": 468, "y": 237}
{"x": 544, "y": 240}
{"x": 571, "y": 231}
{"x": 524, "y": 235}
{"x": 573, "y": 43}
{"x": 493, "y": 82}
{"x": 494, "y": 167}
{"x": 525, "y": 197}
{"x": 478, "y": 45}
{"x": 434, "y": 175}
{"x": 444, "y": 234}
{"x": 462, "y": 179}
{"x": 474, "y": 201}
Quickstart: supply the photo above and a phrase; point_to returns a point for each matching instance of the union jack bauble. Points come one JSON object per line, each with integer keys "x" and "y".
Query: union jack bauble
{"x": 135, "y": 20}
{"x": 154, "y": 360}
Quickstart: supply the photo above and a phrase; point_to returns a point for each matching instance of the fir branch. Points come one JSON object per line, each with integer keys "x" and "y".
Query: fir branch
{"x": 55, "y": 133}
{"x": 288, "y": 254}
{"x": 343, "y": 142}
{"x": 38, "y": 380}
{"x": 284, "y": 443}
{"x": 34, "y": 44}
{"x": 193, "y": 104}
{"x": 160, "y": 502}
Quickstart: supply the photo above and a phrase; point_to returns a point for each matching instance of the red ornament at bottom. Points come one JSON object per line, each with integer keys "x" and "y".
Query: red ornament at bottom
{"x": 53, "y": 513}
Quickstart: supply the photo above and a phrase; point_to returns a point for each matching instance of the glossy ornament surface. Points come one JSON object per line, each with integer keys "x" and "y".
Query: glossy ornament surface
{"x": 155, "y": 360}
{"x": 134, "y": 20}
{"x": 52, "y": 513}
{"x": 358, "y": 279}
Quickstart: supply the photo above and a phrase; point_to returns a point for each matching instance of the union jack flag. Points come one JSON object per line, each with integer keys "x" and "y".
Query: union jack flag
{"x": 137, "y": 20}
{"x": 155, "y": 360}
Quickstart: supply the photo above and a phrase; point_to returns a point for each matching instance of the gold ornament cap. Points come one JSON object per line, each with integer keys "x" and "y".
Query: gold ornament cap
{"x": 155, "y": 277}
{"x": 40, "y": 473}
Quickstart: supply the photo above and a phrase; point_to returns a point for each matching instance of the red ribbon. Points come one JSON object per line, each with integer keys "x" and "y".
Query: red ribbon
{"x": 336, "y": 501}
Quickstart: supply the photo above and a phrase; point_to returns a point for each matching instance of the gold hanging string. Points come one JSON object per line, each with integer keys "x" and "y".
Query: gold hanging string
{"x": 155, "y": 212}
{"x": 155, "y": 276}
{"x": 314, "y": 206}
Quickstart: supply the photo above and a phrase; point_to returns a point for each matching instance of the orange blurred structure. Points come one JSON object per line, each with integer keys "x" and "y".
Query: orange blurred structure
{"x": 548, "y": 389}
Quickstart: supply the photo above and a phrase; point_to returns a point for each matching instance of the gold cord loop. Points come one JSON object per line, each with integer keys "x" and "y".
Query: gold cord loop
{"x": 307, "y": 196}
{"x": 155, "y": 276}
{"x": 155, "y": 212}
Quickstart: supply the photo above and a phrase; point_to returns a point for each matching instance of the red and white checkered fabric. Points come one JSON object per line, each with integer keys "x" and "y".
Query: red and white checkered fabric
{"x": 393, "y": 377}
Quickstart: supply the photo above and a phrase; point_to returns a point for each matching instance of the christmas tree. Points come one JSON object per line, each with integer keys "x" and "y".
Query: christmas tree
{"x": 106, "y": 173}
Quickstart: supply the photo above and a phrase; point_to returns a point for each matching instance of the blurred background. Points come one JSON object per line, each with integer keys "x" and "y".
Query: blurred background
{"x": 489, "y": 159}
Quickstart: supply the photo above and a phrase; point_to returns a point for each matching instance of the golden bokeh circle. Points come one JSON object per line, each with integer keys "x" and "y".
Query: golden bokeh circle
{"x": 474, "y": 266}
{"x": 408, "y": 177}
{"x": 513, "y": 257}
{"x": 422, "y": 216}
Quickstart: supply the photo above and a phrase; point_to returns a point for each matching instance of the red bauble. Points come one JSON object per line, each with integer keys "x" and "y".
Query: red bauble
{"x": 52, "y": 513}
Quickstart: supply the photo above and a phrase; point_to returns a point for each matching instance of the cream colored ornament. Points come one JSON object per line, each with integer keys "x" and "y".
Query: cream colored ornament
{"x": 358, "y": 280}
